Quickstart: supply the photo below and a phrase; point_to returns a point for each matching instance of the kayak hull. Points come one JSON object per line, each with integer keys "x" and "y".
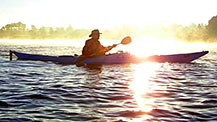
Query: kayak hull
{"x": 117, "y": 58}
{"x": 177, "y": 58}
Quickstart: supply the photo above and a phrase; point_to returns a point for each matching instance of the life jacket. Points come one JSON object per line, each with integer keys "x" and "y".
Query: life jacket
{"x": 91, "y": 46}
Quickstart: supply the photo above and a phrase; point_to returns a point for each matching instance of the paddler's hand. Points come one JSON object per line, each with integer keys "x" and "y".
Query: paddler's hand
{"x": 110, "y": 47}
{"x": 114, "y": 45}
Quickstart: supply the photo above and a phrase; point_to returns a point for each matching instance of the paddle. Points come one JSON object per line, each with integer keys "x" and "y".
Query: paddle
{"x": 124, "y": 41}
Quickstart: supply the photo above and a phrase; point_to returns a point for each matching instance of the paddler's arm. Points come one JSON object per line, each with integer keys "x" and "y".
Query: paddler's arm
{"x": 103, "y": 50}
{"x": 106, "y": 49}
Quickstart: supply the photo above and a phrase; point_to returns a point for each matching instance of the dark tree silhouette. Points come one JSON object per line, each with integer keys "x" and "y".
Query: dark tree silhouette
{"x": 212, "y": 26}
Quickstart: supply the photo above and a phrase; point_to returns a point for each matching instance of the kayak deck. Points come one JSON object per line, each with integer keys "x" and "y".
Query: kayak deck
{"x": 179, "y": 58}
{"x": 116, "y": 58}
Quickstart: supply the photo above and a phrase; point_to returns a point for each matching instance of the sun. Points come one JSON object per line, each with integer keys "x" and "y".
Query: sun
{"x": 148, "y": 45}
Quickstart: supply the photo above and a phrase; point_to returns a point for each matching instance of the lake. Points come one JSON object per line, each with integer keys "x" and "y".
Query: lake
{"x": 149, "y": 92}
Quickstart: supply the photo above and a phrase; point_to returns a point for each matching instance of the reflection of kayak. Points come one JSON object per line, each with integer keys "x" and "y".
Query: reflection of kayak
{"x": 116, "y": 58}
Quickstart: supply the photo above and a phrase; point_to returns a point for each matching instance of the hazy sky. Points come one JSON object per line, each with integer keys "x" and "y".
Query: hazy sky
{"x": 106, "y": 13}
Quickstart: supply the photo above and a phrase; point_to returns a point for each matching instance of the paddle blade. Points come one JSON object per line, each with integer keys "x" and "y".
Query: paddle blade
{"x": 126, "y": 40}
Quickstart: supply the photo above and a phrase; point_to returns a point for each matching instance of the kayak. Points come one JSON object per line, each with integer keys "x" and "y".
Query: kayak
{"x": 116, "y": 58}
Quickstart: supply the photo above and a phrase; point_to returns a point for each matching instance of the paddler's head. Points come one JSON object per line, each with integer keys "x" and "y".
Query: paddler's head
{"x": 95, "y": 34}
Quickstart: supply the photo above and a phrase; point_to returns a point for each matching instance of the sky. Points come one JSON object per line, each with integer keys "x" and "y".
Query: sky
{"x": 106, "y": 13}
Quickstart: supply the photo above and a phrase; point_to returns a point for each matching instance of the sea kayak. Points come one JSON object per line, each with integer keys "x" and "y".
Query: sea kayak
{"x": 116, "y": 58}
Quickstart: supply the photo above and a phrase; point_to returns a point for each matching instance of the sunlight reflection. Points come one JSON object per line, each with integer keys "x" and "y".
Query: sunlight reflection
{"x": 75, "y": 43}
{"x": 142, "y": 85}
{"x": 148, "y": 45}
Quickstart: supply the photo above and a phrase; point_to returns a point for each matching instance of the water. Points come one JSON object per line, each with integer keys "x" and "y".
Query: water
{"x": 44, "y": 91}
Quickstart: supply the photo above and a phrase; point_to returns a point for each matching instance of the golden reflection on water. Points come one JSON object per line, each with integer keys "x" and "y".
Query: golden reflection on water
{"x": 74, "y": 43}
{"x": 142, "y": 85}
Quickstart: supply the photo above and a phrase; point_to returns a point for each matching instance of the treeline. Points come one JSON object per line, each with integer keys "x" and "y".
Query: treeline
{"x": 20, "y": 31}
{"x": 190, "y": 33}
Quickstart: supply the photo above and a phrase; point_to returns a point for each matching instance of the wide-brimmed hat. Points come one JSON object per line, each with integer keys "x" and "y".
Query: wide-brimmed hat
{"x": 95, "y": 31}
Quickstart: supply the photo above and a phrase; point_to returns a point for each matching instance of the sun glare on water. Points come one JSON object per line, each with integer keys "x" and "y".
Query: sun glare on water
{"x": 73, "y": 43}
{"x": 142, "y": 86}
{"x": 153, "y": 46}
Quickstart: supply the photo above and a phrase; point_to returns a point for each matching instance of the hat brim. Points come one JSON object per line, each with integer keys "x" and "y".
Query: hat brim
{"x": 92, "y": 34}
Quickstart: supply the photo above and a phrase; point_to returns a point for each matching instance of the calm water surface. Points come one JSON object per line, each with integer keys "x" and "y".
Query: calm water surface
{"x": 150, "y": 92}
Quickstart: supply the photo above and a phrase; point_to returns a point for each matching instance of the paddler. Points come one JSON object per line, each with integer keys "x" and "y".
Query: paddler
{"x": 93, "y": 47}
